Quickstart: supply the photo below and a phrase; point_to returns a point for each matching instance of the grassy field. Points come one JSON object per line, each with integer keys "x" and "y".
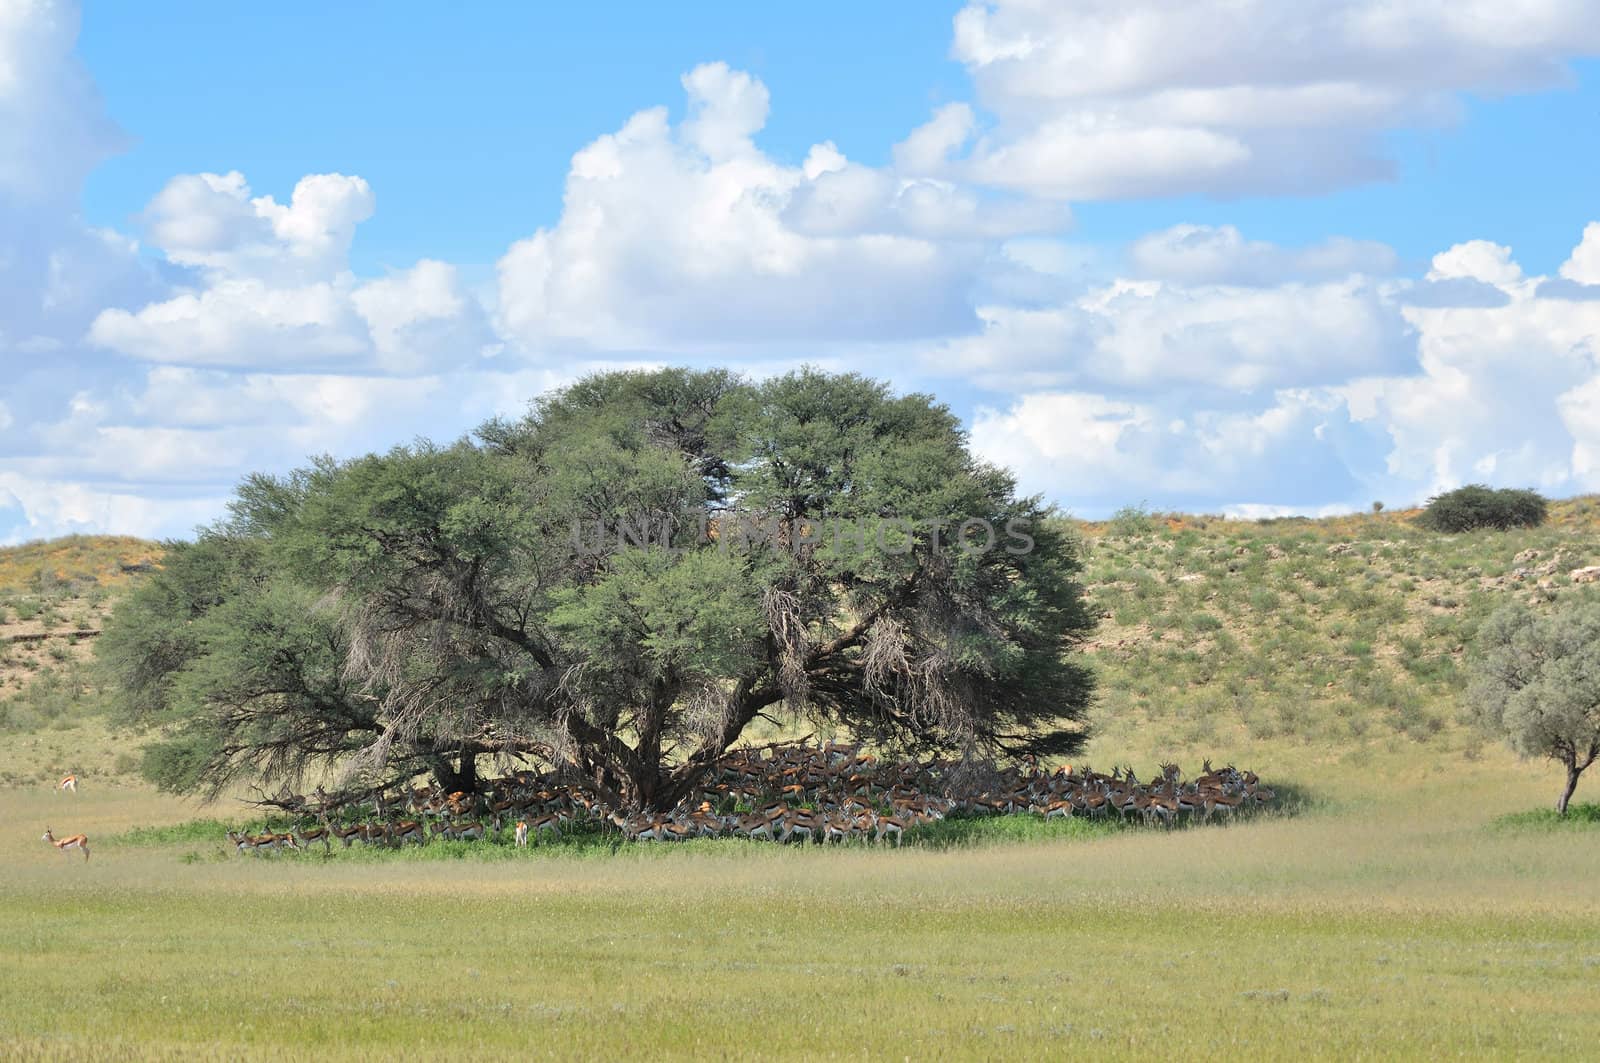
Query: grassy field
{"x": 1412, "y": 905}
{"x": 1404, "y": 922}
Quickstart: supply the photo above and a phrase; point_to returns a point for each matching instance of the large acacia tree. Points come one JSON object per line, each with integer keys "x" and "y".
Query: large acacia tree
{"x": 617, "y": 585}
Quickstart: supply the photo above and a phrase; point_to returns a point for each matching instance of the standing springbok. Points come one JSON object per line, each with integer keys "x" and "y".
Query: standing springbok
{"x": 66, "y": 845}
{"x": 68, "y": 783}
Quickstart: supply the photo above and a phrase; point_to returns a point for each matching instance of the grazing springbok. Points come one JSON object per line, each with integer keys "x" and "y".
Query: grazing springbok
{"x": 68, "y": 783}
{"x": 66, "y": 845}
{"x": 549, "y": 823}
{"x": 522, "y": 833}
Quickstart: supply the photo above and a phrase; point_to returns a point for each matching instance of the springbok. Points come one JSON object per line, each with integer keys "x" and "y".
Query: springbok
{"x": 1216, "y": 801}
{"x": 753, "y": 827}
{"x": 346, "y": 835}
{"x": 466, "y": 830}
{"x": 68, "y": 783}
{"x": 522, "y": 833}
{"x": 315, "y": 834}
{"x": 408, "y": 830}
{"x": 800, "y": 821}
{"x": 66, "y": 845}
{"x": 271, "y": 841}
{"x": 550, "y": 821}
{"x": 889, "y": 825}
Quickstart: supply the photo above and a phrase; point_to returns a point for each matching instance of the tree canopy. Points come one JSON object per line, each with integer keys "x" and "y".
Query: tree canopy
{"x": 1475, "y": 506}
{"x": 1536, "y": 684}
{"x": 617, "y": 584}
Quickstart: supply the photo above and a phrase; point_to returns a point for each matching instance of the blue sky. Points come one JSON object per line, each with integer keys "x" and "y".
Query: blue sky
{"x": 509, "y": 95}
{"x": 414, "y": 102}
{"x": 1245, "y": 257}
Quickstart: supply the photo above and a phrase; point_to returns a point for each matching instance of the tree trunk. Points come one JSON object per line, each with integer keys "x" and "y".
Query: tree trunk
{"x": 1573, "y": 771}
{"x": 462, "y": 776}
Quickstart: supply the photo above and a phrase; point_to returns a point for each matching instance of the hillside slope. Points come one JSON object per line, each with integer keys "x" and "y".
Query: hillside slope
{"x": 1340, "y": 637}
{"x": 53, "y": 597}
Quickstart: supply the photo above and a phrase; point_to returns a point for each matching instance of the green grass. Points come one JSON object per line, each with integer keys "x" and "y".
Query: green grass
{"x": 719, "y": 972}
{"x": 1345, "y": 929}
{"x": 194, "y": 830}
{"x": 1579, "y": 817}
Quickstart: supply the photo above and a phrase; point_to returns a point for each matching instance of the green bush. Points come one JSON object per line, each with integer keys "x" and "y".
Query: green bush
{"x": 1476, "y": 506}
{"x": 1130, "y": 521}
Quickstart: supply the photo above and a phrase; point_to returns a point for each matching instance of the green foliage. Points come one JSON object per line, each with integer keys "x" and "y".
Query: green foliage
{"x": 618, "y": 583}
{"x": 1133, "y": 520}
{"x": 1475, "y": 506}
{"x": 1536, "y": 683}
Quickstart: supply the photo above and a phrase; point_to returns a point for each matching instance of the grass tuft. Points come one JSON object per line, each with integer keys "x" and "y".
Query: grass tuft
{"x": 1579, "y": 817}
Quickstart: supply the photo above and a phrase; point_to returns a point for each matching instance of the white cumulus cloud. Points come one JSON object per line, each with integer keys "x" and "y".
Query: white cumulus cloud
{"x": 1117, "y": 99}
{"x": 1311, "y": 396}
{"x": 271, "y": 286}
{"x": 691, "y": 236}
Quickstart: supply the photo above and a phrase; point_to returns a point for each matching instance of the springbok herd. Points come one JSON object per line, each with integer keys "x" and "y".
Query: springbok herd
{"x": 824, "y": 793}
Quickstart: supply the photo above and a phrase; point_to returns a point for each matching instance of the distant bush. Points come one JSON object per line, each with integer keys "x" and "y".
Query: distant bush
{"x": 1476, "y": 506}
{"x": 1130, "y": 521}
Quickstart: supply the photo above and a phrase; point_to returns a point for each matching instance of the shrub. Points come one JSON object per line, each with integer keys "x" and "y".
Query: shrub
{"x": 1476, "y": 506}
{"x": 1130, "y": 521}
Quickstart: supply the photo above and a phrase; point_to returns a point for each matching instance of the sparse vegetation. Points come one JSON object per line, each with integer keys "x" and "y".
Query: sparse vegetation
{"x": 45, "y": 678}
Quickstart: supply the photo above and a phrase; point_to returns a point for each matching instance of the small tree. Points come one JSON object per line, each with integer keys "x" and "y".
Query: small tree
{"x": 1476, "y": 506}
{"x": 1536, "y": 683}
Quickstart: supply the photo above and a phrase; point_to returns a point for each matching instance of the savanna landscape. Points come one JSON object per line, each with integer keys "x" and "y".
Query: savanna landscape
{"x": 1410, "y": 893}
{"x": 949, "y": 529}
